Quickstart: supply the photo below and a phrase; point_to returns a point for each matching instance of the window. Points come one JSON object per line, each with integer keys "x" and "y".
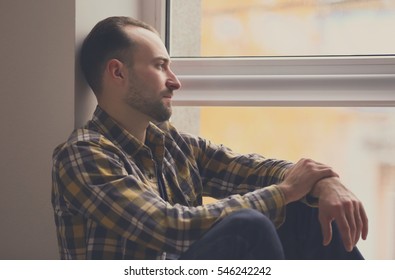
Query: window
{"x": 340, "y": 67}
{"x": 332, "y": 102}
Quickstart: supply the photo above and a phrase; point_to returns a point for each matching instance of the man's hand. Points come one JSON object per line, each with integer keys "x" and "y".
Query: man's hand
{"x": 301, "y": 177}
{"x": 337, "y": 203}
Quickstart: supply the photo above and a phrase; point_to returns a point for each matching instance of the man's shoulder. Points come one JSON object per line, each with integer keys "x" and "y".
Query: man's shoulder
{"x": 84, "y": 134}
{"x": 80, "y": 137}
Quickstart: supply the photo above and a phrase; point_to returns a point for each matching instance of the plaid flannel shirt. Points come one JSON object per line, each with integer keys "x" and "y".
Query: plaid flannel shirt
{"x": 107, "y": 203}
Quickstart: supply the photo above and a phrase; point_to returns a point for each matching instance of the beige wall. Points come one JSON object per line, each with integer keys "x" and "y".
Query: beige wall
{"x": 39, "y": 88}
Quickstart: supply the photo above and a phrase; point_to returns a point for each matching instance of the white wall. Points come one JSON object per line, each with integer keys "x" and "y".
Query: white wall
{"x": 39, "y": 88}
{"x": 88, "y": 13}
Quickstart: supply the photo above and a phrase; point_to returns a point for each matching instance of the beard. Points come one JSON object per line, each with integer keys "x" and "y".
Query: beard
{"x": 156, "y": 109}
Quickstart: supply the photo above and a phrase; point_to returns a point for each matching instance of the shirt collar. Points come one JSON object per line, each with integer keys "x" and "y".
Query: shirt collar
{"x": 130, "y": 144}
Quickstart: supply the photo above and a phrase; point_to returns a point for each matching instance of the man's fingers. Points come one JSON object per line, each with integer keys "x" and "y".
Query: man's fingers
{"x": 345, "y": 233}
{"x": 328, "y": 171}
{"x": 358, "y": 223}
{"x": 365, "y": 223}
{"x": 326, "y": 227}
{"x": 353, "y": 221}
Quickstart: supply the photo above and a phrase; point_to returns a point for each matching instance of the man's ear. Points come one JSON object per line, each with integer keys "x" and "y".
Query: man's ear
{"x": 116, "y": 70}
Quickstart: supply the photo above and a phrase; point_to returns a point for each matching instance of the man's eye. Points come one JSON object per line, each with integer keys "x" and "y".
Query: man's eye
{"x": 160, "y": 66}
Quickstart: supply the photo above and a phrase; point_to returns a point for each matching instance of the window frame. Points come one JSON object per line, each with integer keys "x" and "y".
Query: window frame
{"x": 336, "y": 81}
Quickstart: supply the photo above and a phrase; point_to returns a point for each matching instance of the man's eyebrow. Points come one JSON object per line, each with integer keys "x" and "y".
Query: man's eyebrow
{"x": 162, "y": 58}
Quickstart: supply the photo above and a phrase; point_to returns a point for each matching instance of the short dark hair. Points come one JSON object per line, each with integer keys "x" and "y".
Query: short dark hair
{"x": 107, "y": 40}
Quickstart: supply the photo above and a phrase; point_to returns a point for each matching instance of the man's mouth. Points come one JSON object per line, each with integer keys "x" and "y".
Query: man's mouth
{"x": 168, "y": 95}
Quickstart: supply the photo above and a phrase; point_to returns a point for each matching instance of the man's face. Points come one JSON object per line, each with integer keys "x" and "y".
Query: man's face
{"x": 151, "y": 82}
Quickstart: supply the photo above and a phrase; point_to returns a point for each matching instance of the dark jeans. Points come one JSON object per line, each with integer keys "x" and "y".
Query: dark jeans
{"x": 248, "y": 235}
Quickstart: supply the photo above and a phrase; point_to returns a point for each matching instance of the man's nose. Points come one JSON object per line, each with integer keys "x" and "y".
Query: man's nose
{"x": 172, "y": 82}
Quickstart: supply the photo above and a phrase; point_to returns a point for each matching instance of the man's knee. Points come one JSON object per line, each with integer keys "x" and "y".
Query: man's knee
{"x": 258, "y": 233}
{"x": 245, "y": 234}
{"x": 251, "y": 219}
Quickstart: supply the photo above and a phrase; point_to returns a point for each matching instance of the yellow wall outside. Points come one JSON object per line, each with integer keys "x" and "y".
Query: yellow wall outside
{"x": 286, "y": 133}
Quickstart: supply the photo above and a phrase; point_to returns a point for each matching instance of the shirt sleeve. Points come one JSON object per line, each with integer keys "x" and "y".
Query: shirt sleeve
{"x": 225, "y": 172}
{"x": 94, "y": 182}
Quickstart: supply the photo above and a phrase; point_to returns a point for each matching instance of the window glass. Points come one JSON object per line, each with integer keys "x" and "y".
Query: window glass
{"x": 282, "y": 27}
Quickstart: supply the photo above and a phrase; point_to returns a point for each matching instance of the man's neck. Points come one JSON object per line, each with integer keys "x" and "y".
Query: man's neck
{"x": 130, "y": 119}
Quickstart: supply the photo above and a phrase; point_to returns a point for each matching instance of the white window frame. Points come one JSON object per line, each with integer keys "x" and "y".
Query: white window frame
{"x": 338, "y": 81}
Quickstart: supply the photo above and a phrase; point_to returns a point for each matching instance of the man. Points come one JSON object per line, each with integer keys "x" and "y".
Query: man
{"x": 129, "y": 185}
